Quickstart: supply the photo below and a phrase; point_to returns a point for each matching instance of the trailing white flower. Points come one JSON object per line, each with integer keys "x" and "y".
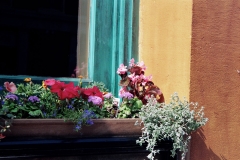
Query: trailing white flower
{"x": 174, "y": 121}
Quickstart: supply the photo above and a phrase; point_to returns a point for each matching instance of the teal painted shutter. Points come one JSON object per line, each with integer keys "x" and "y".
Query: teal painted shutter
{"x": 112, "y": 40}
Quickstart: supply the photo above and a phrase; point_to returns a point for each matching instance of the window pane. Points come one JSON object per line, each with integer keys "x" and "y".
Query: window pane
{"x": 40, "y": 37}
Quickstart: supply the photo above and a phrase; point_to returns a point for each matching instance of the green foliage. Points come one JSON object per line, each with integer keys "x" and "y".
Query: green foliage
{"x": 174, "y": 121}
{"x": 100, "y": 85}
{"x": 130, "y": 108}
{"x": 24, "y": 108}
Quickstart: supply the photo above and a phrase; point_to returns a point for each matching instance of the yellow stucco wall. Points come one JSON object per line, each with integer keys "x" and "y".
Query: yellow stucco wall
{"x": 165, "y": 43}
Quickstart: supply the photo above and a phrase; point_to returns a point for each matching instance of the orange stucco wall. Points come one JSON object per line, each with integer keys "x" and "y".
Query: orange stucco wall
{"x": 215, "y": 82}
{"x": 193, "y": 47}
{"x": 165, "y": 43}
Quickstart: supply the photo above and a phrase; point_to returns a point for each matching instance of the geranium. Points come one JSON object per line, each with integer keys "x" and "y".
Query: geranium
{"x": 65, "y": 91}
{"x": 11, "y": 87}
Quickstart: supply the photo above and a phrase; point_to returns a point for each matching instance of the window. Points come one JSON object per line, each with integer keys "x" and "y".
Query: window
{"x": 49, "y": 38}
{"x": 41, "y": 37}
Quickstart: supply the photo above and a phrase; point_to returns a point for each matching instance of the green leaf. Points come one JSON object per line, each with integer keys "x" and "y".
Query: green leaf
{"x": 14, "y": 110}
{"x": 35, "y": 113}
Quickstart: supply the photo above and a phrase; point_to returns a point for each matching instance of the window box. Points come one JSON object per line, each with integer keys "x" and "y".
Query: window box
{"x": 106, "y": 138}
{"x": 57, "y": 128}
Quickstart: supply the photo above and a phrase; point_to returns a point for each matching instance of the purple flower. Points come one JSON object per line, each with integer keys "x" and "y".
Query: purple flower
{"x": 78, "y": 127}
{"x": 95, "y": 100}
{"x": 108, "y": 95}
{"x": 33, "y": 99}
{"x": 1, "y": 88}
{"x": 11, "y": 96}
{"x": 70, "y": 106}
{"x": 126, "y": 95}
{"x": 88, "y": 114}
{"x": 89, "y": 122}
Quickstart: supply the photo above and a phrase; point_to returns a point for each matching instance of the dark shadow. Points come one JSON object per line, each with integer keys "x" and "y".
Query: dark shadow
{"x": 199, "y": 150}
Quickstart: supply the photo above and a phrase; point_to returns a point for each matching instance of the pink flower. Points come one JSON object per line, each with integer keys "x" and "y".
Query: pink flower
{"x": 11, "y": 87}
{"x": 148, "y": 78}
{"x": 123, "y": 93}
{"x": 108, "y": 95}
{"x": 49, "y": 82}
{"x": 122, "y": 69}
{"x": 135, "y": 79}
{"x": 145, "y": 79}
{"x": 95, "y": 100}
{"x": 142, "y": 65}
{"x": 132, "y": 62}
{"x": 131, "y": 76}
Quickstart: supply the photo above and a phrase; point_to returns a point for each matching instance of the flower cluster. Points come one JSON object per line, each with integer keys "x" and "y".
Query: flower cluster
{"x": 136, "y": 84}
{"x": 136, "y": 88}
{"x": 55, "y": 99}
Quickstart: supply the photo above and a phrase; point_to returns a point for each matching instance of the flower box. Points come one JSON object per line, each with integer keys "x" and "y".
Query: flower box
{"x": 106, "y": 138}
{"x": 57, "y": 128}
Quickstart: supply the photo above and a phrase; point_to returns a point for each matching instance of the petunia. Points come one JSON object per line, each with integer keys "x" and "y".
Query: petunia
{"x": 91, "y": 92}
{"x": 49, "y": 82}
{"x": 65, "y": 91}
{"x": 11, "y": 87}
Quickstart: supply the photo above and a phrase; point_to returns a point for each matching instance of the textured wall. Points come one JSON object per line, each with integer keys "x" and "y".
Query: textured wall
{"x": 165, "y": 43}
{"x": 215, "y": 82}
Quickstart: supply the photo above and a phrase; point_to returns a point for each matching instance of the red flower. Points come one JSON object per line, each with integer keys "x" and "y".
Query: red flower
{"x": 91, "y": 92}
{"x": 11, "y": 87}
{"x": 65, "y": 91}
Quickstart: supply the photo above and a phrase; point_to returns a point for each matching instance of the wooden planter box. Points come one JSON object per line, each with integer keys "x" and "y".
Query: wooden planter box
{"x": 57, "y": 128}
{"x": 107, "y": 139}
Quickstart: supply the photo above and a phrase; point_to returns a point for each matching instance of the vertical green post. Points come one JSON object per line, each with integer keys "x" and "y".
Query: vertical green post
{"x": 111, "y": 40}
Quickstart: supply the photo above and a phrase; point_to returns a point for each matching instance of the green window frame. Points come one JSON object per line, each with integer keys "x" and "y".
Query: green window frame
{"x": 113, "y": 39}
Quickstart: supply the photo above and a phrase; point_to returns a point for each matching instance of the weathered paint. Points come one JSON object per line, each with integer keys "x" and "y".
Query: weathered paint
{"x": 111, "y": 36}
{"x": 165, "y": 43}
{"x": 215, "y": 82}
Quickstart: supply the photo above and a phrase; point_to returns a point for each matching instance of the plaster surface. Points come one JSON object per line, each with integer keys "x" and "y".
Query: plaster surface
{"x": 165, "y": 44}
{"x": 215, "y": 82}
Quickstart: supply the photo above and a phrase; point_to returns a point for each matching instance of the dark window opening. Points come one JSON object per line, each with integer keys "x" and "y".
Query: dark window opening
{"x": 39, "y": 37}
